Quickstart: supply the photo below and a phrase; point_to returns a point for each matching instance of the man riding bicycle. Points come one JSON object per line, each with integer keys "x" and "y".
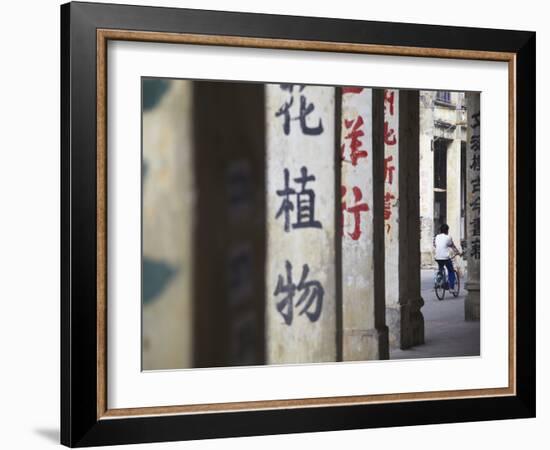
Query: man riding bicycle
{"x": 442, "y": 243}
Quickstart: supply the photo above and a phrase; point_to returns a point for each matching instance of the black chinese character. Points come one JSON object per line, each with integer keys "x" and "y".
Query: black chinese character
{"x": 474, "y": 165}
{"x": 305, "y": 202}
{"x": 311, "y": 297}
{"x": 475, "y": 248}
{"x": 475, "y": 227}
{"x": 305, "y": 110}
{"x": 287, "y": 205}
{"x": 475, "y": 204}
{"x": 475, "y": 143}
{"x": 475, "y": 124}
{"x": 290, "y": 87}
{"x": 475, "y": 184}
{"x": 285, "y": 112}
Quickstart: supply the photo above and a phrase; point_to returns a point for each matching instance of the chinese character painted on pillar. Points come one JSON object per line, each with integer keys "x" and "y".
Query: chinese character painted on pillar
{"x": 475, "y": 121}
{"x": 475, "y": 184}
{"x": 239, "y": 270}
{"x": 388, "y": 170}
{"x": 310, "y": 300}
{"x": 389, "y": 135}
{"x": 475, "y": 248}
{"x": 476, "y": 229}
{"x": 355, "y": 126}
{"x": 289, "y": 87}
{"x": 388, "y": 197}
{"x": 239, "y": 190}
{"x": 475, "y": 143}
{"x": 355, "y": 210}
{"x": 475, "y": 204}
{"x": 303, "y": 205}
{"x": 474, "y": 165}
{"x": 352, "y": 90}
{"x": 389, "y": 98}
{"x": 305, "y": 109}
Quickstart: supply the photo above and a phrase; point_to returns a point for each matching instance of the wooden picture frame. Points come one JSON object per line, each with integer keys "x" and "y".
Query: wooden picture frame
{"x": 86, "y": 28}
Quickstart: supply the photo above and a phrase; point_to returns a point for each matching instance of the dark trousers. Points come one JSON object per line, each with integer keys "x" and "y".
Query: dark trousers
{"x": 450, "y": 270}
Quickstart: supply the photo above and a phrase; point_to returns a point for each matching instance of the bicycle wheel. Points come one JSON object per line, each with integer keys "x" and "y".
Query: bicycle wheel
{"x": 456, "y": 289}
{"x": 439, "y": 287}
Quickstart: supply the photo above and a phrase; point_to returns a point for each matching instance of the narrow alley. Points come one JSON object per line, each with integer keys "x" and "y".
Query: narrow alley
{"x": 446, "y": 332}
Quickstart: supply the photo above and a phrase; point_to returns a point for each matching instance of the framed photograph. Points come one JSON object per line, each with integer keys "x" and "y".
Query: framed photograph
{"x": 278, "y": 224}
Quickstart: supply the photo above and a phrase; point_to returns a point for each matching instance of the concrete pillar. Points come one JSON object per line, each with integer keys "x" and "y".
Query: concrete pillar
{"x": 454, "y": 206}
{"x": 426, "y": 178}
{"x": 391, "y": 212}
{"x": 365, "y": 335}
{"x": 473, "y": 206}
{"x": 229, "y": 237}
{"x": 410, "y": 301}
{"x": 168, "y": 195}
{"x": 301, "y": 312}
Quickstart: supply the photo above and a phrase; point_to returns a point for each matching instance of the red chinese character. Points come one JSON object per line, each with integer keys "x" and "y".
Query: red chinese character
{"x": 354, "y": 135}
{"x": 389, "y": 135}
{"x": 352, "y": 90}
{"x": 389, "y": 97}
{"x": 387, "y": 206}
{"x": 356, "y": 210}
{"x": 388, "y": 170}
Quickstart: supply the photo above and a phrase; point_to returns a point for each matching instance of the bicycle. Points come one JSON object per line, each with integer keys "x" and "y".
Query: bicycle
{"x": 441, "y": 282}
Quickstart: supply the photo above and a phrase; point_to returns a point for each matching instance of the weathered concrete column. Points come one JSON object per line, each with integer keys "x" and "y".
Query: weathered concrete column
{"x": 168, "y": 194}
{"x": 391, "y": 212}
{"x": 454, "y": 198}
{"x": 365, "y": 335}
{"x": 410, "y": 300}
{"x": 300, "y": 286}
{"x": 426, "y": 178}
{"x": 473, "y": 206}
{"x": 229, "y": 237}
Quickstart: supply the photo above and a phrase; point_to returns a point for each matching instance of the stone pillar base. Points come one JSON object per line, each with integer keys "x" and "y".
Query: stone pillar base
{"x": 365, "y": 345}
{"x": 393, "y": 320}
{"x": 405, "y": 324}
{"x": 412, "y": 324}
{"x": 471, "y": 304}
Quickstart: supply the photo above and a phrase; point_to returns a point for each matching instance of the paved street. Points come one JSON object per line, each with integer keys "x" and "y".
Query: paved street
{"x": 447, "y": 333}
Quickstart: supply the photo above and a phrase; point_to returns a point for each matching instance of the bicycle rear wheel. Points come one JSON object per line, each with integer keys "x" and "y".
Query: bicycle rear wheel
{"x": 456, "y": 289}
{"x": 439, "y": 287}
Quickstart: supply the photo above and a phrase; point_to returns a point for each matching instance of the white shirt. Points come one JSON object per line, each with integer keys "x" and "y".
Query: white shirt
{"x": 442, "y": 243}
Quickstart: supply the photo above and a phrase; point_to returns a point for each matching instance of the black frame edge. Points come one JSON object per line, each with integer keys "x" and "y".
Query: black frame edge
{"x": 65, "y": 435}
{"x": 232, "y": 23}
{"x": 525, "y": 223}
{"x": 78, "y": 225}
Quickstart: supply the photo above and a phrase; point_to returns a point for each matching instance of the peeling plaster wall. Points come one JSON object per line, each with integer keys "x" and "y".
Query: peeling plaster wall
{"x": 357, "y": 227}
{"x": 167, "y": 225}
{"x": 293, "y": 335}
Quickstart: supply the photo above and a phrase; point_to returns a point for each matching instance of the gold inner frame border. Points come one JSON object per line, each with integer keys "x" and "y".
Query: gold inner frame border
{"x": 104, "y": 35}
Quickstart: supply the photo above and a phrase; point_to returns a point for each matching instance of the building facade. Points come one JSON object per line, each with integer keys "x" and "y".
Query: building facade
{"x": 443, "y": 138}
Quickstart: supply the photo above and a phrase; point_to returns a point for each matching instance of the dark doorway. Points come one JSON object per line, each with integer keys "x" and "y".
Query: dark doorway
{"x": 440, "y": 182}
